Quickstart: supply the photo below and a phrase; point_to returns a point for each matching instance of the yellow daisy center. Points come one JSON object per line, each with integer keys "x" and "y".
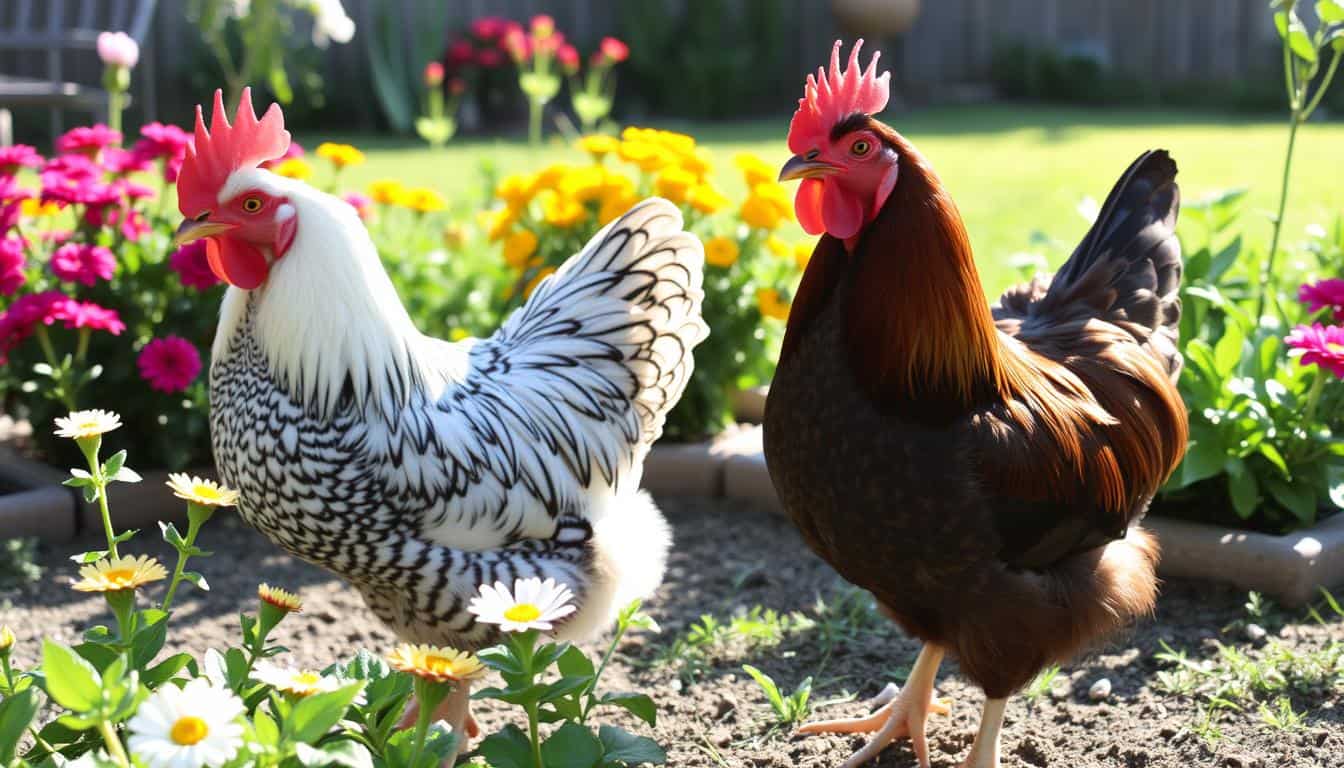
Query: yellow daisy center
{"x": 202, "y": 491}
{"x": 189, "y": 730}
{"x": 120, "y": 576}
{"x": 523, "y": 613}
{"x": 307, "y": 678}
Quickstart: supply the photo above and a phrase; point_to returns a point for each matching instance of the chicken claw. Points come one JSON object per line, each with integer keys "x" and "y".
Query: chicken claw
{"x": 902, "y": 716}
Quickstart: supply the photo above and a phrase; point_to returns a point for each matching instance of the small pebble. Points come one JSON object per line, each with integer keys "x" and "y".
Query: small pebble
{"x": 1100, "y": 690}
{"x": 1255, "y": 633}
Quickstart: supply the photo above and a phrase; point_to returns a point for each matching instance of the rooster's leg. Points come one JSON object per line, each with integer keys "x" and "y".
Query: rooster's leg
{"x": 455, "y": 710}
{"x": 985, "y": 750}
{"x": 903, "y": 717}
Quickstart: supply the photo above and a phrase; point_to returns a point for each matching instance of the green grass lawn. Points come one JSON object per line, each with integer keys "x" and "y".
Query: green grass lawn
{"x": 1014, "y": 170}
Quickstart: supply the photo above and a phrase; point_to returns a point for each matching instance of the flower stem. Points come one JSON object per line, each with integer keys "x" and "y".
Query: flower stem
{"x": 1314, "y": 397}
{"x": 534, "y": 113}
{"x": 113, "y": 743}
{"x": 1267, "y": 281}
{"x": 193, "y": 528}
{"x": 533, "y": 736}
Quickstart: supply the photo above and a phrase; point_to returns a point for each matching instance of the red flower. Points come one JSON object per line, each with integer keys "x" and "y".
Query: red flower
{"x": 83, "y": 263}
{"x": 433, "y": 74}
{"x": 169, "y": 364}
{"x": 16, "y": 157}
{"x": 17, "y": 323}
{"x": 1319, "y": 345}
{"x": 543, "y": 26}
{"x": 488, "y": 27}
{"x": 192, "y": 267}
{"x": 568, "y": 58}
{"x": 88, "y": 140}
{"x": 11, "y": 265}
{"x": 460, "y": 53}
{"x": 516, "y": 42}
{"x": 1324, "y": 294}
{"x": 489, "y": 58}
{"x": 613, "y": 50}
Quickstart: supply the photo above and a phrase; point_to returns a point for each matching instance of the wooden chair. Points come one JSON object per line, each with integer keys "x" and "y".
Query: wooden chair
{"x": 53, "y": 30}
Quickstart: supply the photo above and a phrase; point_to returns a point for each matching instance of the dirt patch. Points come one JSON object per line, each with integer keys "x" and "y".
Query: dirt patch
{"x": 729, "y": 558}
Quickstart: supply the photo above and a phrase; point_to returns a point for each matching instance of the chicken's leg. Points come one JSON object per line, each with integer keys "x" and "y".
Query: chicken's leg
{"x": 903, "y": 717}
{"x": 985, "y": 750}
{"x": 455, "y": 710}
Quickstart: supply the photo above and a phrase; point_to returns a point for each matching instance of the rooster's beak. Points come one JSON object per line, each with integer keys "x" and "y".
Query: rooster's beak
{"x": 799, "y": 168}
{"x": 195, "y": 229}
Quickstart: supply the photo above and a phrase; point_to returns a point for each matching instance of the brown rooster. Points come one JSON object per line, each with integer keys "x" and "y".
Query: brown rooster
{"x": 981, "y": 471}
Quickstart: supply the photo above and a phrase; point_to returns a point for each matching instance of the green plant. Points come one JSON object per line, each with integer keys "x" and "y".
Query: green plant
{"x": 18, "y": 563}
{"x": 790, "y": 709}
{"x": 396, "y": 67}
{"x": 1041, "y": 685}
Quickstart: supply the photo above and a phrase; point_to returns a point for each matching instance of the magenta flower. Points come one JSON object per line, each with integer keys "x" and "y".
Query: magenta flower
{"x": 360, "y": 202}
{"x": 190, "y": 264}
{"x": 83, "y": 263}
{"x": 17, "y": 323}
{"x": 88, "y": 140}
{"x": 489, "y": 27}
{"x": 75, "y": 179}
{"x": 166, "y": 142}
{"x": 1320, "y": 345}
{"x": 294, "y": 151}
{"x": 121, "y": 161}
{"x": 118, "y": 49}
{"x": 11, "y": 199}
{"x": 1324, "y": 294}
{"x": 86, "y": 314}
{"x": 16, "y": 157}
{"x": 169, "y": 364}
{"x": 11, "y": 265}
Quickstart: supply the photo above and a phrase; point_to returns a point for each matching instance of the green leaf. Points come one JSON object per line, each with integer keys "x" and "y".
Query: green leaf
{"x": 767, "y": 685}
{"x": 1270, "y": 452}
{"x": 1292, "y": 30}
{"x": 1243, "y": 488}
{"x": 149, "y": 640}
{"x": 114, "y": 464}
{"x": 1297, "y": 498}
{"x": 172, "y": 536}
{"x": 314, "y": 715}
{"x": 165, "y": 670}
{"x": 1330, "y": 11}
{"x": 16, "y": 714}
{"x": 71, "y": 681}
{"x": 637, "y": 704}
{"x": 575, "y": 663}
{"x": 571, "y": 746}
{"x": 1203, "y": 459}
{"x": 623, "y": 747}
{"x": 268, "y": 733}
{"x": 565, "y": 686}
{"x": 93, "y": 556}
{"x": 507, "y": 748}
{"x": 197, "y": 579}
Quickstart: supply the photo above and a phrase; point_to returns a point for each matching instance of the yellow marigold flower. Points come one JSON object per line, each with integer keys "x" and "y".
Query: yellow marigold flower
{"x": 802, "y": 254}
{"x": 706, "y": 199}
{"x": 698, "y": 163}
{"x": 551, "y": 176}
{"x": 386, "y": 191}
{"x": 82, "y": 424}
{"x": 519, "y": 247}
{"x": 458, "y": 334}
{"x": 423, "y": 200}
{"x": 119, "y": 573}
{"x": 679, "y": 143}
{"x": 532, "y": 284}
{"x": 599, "y": 145}
{"x": 563, "y": 212}
{"x": 648, "y": 156}
{"x": 721, "y": 251}
{"x": 778, "y": 247}
{"x": 776, "y": 195}
{"x": 584, "y": 184}
{"x": 279, "y": 598}
{"x": 32, "y": 207}
{"x": 674, "y": 183}
{"x": 633, "y": 133}
{"x": 340, "y": 155}
{"x": 294, "y": 168}
{"x": 207, "y": 493}
{"x": 760, "y": 213}
{"x": 755, "y": 170}
{"x": 6, "y": 639}
{"x": 454, "y": 236}
{"x": 772, "y": 304}
{"x": 440, "y": 665}
{"x": 499, "y": 223}
{"x": 517, "y": 189}
{"x": 613, "y": 206}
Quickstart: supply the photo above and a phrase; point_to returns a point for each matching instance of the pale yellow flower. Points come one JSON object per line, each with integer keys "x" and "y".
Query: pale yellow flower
{"x": 440, "y": 665}
{"x": 119, "y": 573}
{"x": 648, "y": 156}
{"x": 584, "y": 184}
{"x": 422, "y": 200}
{"x": 6, "y": 639}
{"x": 772, "y": 304}
{"x": 551, "y": 176}
{"x": 207, "y": 493}
{"x": 386, "y": 191}
{"x": 519, "y": 247}
{"x": 698, "y": 163}
{"x": 299, "y": 682}
{"x": 293, "y": 168}
{"x": 760, "y": 213}
{"x": 778, "y": 246}
{"x": 82, "y": 424}
{"x": 679, "y": 143}
{"x": 721, "y": 251}
{"x": 340, "y": 155}
{"x": 282, "y": 599}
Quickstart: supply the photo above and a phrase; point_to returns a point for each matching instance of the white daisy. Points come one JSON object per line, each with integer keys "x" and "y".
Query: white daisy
{"x": 299, "y": 682}
{"x": 189, "y": 727}
{"x": 534, "y": 604}
{"x": 81, "y": 424}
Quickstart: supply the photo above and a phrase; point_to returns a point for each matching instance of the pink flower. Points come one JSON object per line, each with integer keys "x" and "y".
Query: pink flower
{"x": 191, "y": 266}
{"x": 489, "y": 58}
{"x": 121, "y": 161}
{"x": 17, "y": 323}
{"x": 1320, "y": 345}
{"x": 166, "y": 142}
{"x": 542, "y": 25}
{"x": 118, "y": 49}
{"x": 83, "y": 263}
{"x": 488, "y": 27}
{"x": 86, "y": 314}
{"x": 433, "y": 74}
{"x": 74, "y": 179}
{"x": 169, "y": 364}
{"x": 568, "y": 57}
{"x": 362, "y": 204}
{"x": 613, "y": 50}
{"x": 11, "y": 265}
{"x": 516, "y": 42}
{"x": 11, "y": 199}
{"x": 294, "y": 151}
{"x": 1324, "y": 294}
{"x": 460, "y": 53}
{"x": 16, "y": 157}
{"x": 88, "y": 140}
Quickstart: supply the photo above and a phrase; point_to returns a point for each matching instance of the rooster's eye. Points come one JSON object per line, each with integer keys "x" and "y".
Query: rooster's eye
{"x": 860, "y": 147}
{"x": 252, "y": 204}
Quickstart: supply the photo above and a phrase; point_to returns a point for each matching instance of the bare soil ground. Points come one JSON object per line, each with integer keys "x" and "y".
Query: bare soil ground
{"x": 729, "y": 558}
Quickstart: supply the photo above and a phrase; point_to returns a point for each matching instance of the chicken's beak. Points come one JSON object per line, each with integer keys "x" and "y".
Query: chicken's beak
{"x": 195, "y": 229}
{"x": 800, "y": 168}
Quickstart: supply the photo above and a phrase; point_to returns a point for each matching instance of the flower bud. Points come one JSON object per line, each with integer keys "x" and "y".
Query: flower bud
{"x": 6, "y": 640}
{"x": 118, "y": 49}
{"x": 433, "y": 74}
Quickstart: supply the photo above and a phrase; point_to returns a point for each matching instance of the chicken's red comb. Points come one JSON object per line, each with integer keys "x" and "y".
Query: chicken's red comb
{"x": 225, "y": 148}
{"x": 830, "y": 97}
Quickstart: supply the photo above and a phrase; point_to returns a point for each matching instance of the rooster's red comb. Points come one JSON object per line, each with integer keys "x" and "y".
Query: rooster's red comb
{"x": 830, "y": 97}
{"x": 225, "y": 148}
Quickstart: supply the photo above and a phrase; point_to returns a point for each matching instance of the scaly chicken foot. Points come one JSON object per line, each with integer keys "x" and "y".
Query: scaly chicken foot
{"x": 902, "y": 717}
{"x": 985, "y": 750}
{"x": 455, "y": 710}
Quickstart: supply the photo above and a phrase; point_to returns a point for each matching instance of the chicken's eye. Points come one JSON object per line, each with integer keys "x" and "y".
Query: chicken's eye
{"x": 860, "y": 147}
{"x": 252, "y": 204}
